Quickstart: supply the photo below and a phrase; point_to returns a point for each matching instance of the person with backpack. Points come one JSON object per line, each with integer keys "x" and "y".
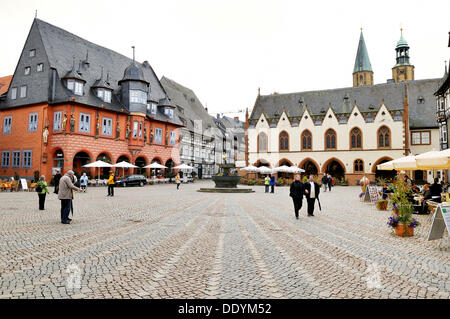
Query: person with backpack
{"x": 272, "y": 183}
{"x": 42, "y": 190}
{"x": 111, "y": 182}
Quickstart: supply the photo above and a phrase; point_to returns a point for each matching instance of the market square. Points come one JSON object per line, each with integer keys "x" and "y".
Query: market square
{"x": 144, "y": 244}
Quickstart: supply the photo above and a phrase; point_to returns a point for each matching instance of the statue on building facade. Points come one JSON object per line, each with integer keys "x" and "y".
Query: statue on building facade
{"x": 45, "y": 134}
{"x": 151, "y": 136}
{"x": 64, "y": 123}
{"x": 97, "y": 127}
{"x": 72, "y": 123}
{"x": 145, "y": 135}
{"x": 117, "y": 131}
{"x": 127, "y": 132}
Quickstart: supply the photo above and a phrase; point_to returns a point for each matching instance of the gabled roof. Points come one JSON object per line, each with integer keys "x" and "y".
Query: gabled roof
{"x": 4, "y": 83}
{"x": 362, "y": 62}
{"x": 367, "y": 98}
{"x": 58, "y": 49}
{"x": 188, "y": 106}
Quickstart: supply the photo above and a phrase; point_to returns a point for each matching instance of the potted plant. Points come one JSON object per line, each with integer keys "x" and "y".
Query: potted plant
{"x": 402, "y": 221}
{"x": 251, "y": 182}
{"x": 382, "y": 204}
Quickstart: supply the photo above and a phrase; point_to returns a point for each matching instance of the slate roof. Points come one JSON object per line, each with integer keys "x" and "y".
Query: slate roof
{"x": 58, "y": 49}
{"x": 368, "y": 99}
{"x": 188, "y": 106}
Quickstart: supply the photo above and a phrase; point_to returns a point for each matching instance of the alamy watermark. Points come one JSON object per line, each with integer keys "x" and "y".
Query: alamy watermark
{"x": 74, "y": 278}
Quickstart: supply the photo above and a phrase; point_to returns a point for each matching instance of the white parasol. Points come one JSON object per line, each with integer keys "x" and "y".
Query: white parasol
{"x": 124, "y": 165}
{"x": 98, "y": 164}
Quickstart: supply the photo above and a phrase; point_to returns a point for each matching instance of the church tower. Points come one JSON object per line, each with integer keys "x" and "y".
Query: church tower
{"x": 362, "y": 72}
{"x": 403, "y": 70}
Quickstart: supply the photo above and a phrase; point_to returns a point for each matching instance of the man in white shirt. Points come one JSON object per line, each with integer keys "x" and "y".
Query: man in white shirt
{"x": 312, "y": 190}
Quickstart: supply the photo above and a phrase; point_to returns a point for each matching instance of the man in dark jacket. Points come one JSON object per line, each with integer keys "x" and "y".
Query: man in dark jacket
{"x": 325, "y": 182}
{"x": 330, "y": 182}
{"x": 312, "y": 190}
{"x": 296, "y": 192}
{"x": 56, "y": 179}
{"x": 436, "y": 190}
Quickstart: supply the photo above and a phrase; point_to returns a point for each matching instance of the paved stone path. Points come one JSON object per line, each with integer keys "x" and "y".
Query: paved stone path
{"x": 157, "y": 242}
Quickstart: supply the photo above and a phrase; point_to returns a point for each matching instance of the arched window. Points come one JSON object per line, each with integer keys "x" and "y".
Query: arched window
{"x": 384, "y": 137}
{"x": 358, "y": 166}
{"x": 330, "y": 140}
{"x": 284, "y": 141}
{"x": 355, "y": 138}
{"x": 306, "y": 140}
{"x": 262, "y": 142}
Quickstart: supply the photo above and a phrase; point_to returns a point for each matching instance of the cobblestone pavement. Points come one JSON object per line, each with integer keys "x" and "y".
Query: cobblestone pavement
{"x": 157, "y": 242}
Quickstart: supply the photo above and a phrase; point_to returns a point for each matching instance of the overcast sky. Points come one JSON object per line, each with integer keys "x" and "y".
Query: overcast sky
{"x": 225, "y": 50}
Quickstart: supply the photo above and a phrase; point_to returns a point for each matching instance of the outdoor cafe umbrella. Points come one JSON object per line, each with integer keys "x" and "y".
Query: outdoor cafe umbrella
{"x": 387, "y": 166}
{"x": 264, "y": 170}
{"x": 250, "y": 169}
{"x": 281, "y": 169}
{"x": 124, "y": 165}
{"x": 405, "y": 163}
{"x": 433, "y": 160}
{"x": 295, "y": 170}
{"x": 155, "y": 165}
{"x": 183, "y": 166}
{"x": 98, "y": 164}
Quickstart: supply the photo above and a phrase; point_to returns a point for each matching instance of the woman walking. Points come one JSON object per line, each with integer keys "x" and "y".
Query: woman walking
{"x": 42, "y": 190}
{"x": 83, "y": 181}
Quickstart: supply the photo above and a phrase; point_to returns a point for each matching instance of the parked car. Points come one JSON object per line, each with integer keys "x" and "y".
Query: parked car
{"x": 131, "y": 180}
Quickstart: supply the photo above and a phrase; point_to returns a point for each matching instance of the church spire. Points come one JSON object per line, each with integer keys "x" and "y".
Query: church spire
{"x": 362, "y": 71}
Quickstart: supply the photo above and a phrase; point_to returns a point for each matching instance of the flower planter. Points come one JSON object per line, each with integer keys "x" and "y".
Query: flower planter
{"x": 382, "y": 205}
{"x": 404, "y": 230}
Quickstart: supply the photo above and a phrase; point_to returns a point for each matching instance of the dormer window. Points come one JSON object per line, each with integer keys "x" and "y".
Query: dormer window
{"x": 138, "y": 96}
{"x": 168, "y": 111}
{"x": 75, "y": 86}
{"x": 104, "y": 95}
{"x": 151, "y": 108}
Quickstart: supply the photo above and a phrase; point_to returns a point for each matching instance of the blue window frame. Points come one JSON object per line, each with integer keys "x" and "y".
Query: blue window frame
{"x": 16, "y": 159}
{"x": 27, "y": 159}
{"x": 5, "y": 159}
{"x": 158, "y": 135}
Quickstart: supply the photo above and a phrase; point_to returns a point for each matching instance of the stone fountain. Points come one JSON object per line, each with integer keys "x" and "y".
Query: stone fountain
{"x": 226, "y": 182}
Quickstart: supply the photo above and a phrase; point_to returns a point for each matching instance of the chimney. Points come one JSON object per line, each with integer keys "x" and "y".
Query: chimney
{"x": 206, "y": 109}
{"x": 218, "y": 116}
